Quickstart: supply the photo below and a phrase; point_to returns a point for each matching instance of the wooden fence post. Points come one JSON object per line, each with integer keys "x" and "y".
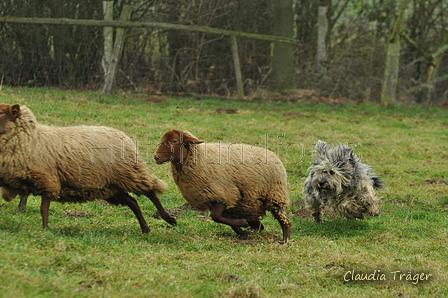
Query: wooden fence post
{"x": 118, "y": 46}
{"x": 237, "y": 66}
{"x": 108, "y": 32}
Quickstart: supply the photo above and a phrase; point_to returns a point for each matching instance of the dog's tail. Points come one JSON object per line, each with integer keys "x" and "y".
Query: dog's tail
{"x": 377, "y": 182}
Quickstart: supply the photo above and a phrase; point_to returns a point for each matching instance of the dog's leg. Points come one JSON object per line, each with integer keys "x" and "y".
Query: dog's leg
{"x": 317, "y": 216}
{"x": 348, "y": 207}
{"x": 370, "y": 203}
{"x": 313, "y": 204}
{"x": 373, "y": 209}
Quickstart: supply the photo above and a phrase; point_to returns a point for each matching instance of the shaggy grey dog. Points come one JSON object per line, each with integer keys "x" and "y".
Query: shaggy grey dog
{"x": 340, "y": 183}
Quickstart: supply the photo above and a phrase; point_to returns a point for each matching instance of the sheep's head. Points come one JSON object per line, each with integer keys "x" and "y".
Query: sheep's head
{"x": 8, "y": 114}
{"x": 174, "y": 145}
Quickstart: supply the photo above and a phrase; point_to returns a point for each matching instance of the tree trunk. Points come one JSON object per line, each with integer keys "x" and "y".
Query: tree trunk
{"x": 433, "y": 71}
{"x": 282, "y": 75}
{"x": 322, "y": 34}
{"x": 109, "y": 77}
{"x": 390, "y": 79}
{"x": 322, "y": 30}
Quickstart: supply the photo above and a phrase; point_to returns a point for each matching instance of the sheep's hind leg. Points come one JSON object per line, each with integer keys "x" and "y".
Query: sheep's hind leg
{"x": 256, "y": 225}
{"x": 129, "y": 201}
{"x": 242, "y": 234}
{"x": 155, "y": 200}
{"x": 235, "y": 224}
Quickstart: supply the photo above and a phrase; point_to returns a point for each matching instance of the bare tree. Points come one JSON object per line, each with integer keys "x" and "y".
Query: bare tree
{"x": 393, "y": 58}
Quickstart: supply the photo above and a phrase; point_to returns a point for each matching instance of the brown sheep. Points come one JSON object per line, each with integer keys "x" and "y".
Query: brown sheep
{"x": 73, "y": 164}
{"x": 238, "y": 183}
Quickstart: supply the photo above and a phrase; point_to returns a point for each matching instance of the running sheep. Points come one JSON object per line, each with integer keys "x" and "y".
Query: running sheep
{"x": 72, "y": 164}
{"x": 237, "y": 183}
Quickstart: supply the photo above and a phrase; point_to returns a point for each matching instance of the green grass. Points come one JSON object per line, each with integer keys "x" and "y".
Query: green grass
{"x": 97, "y": 250}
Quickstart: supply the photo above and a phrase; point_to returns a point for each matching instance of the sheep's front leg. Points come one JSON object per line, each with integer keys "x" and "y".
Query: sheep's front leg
{"x": 280, "y": 215}
{"x": 46, "y": 180}
{"x": 235, "y": 224}
{"x": 44, "y": 206}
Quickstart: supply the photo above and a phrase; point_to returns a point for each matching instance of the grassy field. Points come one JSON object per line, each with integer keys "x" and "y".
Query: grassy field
{"x": 97, "y": 250}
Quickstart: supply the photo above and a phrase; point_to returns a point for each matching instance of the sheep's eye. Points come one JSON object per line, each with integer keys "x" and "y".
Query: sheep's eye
{"x": 331, "y": 172}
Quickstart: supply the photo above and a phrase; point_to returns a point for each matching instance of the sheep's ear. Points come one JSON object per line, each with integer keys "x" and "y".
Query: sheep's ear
{"x": 15, "y": 109}
{"x": 189, "y": 139}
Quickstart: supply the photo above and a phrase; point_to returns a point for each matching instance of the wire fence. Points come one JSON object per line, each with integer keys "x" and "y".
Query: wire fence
{"x": 165, "y": 61}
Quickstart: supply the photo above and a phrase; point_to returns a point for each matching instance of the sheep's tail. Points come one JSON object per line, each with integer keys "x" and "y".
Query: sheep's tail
{"x": 160, "y": 186}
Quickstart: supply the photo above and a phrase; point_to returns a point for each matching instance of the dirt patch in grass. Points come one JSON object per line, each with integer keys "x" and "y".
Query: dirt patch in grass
{"x": 179, "y": 211}
{"x": 305, "y": 213}
{"x": 78, "y": 214}
{"x": 436, "y": 181}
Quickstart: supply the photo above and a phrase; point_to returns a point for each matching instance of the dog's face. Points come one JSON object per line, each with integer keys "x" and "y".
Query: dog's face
{"x": 327, "y": 179}
{"x": 332, "y": 169}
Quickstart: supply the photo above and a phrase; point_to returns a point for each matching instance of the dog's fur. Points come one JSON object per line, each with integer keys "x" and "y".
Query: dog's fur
{"x": 340, "y": 183}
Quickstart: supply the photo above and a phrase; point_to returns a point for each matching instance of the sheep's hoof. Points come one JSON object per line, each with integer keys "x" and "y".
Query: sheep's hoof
{"x": 256, "y": 226}
{"x": 244, "y": 235}
{"x": 171, "y": 220}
